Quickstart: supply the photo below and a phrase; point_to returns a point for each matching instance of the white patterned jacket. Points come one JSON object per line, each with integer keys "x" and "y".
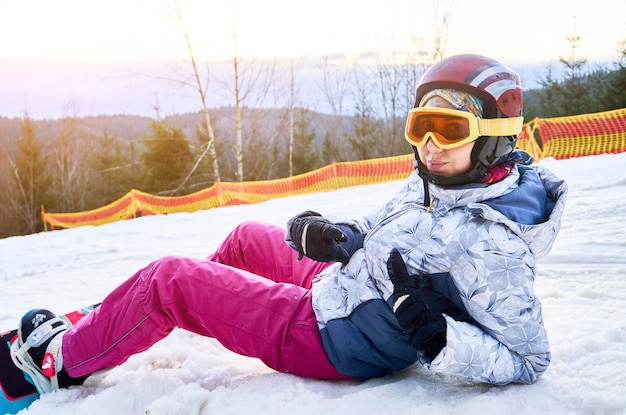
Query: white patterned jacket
{"x": 479, "y": 245}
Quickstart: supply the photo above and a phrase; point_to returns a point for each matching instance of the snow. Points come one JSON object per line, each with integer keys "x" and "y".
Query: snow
{"x": 582, "y": 285}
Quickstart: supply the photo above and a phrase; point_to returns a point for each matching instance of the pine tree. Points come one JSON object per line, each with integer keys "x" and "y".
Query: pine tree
{"x": 573, "y": 91}
{"x": 113, "y": 167}
{"x": 305, "y": 155}
{"x": 166, "y": 159}
{"x": 613, "y": 94}
{"x": 367, "y": 140}
{"x": 31, "y": 180}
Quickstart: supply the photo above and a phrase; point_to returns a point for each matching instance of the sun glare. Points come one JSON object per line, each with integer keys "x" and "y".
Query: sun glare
{"x": 140, "y": 30}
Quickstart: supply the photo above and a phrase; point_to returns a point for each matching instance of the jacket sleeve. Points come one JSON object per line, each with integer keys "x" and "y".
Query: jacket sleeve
{"x": 508, "y": 342}
{"x": 412, "y": 187}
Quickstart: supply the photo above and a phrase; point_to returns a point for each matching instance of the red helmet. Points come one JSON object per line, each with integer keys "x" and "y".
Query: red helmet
{"x": 500, "y": 90}
{"x": 498, "y": 86}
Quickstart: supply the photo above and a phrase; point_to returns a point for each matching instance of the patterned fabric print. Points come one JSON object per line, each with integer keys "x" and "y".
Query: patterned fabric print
{"x": 491, "y": 260}
{"x": 500, "y": 171}
{"x": 458, "y": 99}
{"x": 344, "y": 289}
{"x": 496, "y": 173}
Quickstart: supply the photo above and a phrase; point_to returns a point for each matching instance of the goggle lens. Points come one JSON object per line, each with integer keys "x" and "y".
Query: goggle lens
{"x": 450, "y": 128}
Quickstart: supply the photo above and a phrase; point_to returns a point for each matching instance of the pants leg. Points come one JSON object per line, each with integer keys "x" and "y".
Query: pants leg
{"x": 249, "y": 314}
{"x": 260, "y": 249}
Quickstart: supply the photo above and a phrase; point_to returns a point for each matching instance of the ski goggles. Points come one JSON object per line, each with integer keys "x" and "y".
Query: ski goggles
{"x": 450, "y": 128}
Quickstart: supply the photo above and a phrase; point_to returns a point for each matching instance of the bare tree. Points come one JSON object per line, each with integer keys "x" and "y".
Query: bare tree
{"x": 337, "y": 79}
{"x": 287, "y": 93}
{"x": 239, "y": 145}
{"x": 291, "y": 115}
{"x": 293, "y": 104}
{"x": 394, "y": 94}
{"x": 443, "y": 14}
{"x": 398, "y": 68}
{"x": 252, "y": 81}
{"x": 71, "y": 175}
{"x": 208, "y": 126}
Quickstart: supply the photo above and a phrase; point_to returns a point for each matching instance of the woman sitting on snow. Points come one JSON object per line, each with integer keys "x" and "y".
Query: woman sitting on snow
{"x": 442, "y": 274}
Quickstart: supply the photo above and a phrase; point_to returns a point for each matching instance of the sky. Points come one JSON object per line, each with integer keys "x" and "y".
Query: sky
{"x": 116, "y": 33}
{"x": 581, "y": 284}
{"x": 118, "y": 30}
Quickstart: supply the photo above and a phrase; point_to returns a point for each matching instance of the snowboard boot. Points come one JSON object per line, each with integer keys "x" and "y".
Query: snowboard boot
{"x": 37, "y": 351}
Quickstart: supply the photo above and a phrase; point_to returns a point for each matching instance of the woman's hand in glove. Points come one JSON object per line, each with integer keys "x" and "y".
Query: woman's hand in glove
{"x": 417, "y": 308}
{"x": 318, "y": 238}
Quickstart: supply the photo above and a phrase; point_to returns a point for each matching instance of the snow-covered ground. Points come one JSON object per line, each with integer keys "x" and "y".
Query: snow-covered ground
{"x": 582, "y": 284}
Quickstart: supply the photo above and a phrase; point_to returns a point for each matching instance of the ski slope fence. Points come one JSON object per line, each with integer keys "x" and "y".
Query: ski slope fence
{"x": 560, "y": 138}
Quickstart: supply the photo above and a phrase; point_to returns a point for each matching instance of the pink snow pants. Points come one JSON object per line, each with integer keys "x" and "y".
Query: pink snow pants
{"x": 252, "y": 295}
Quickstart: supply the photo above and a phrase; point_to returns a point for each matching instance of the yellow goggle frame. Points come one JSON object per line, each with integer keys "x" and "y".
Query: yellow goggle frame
{"x": 450, "y": 128}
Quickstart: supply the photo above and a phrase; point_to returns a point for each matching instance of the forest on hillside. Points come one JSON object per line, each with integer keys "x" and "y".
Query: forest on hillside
{"x": 81, "y": 163}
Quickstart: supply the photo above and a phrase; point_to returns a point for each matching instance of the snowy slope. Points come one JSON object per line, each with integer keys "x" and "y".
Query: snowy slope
{"x": 582, "y": 284}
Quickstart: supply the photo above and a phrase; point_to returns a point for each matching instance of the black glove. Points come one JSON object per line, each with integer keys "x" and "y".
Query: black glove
{"x": 318, "y": 238}
{"x": 417, "y": 308}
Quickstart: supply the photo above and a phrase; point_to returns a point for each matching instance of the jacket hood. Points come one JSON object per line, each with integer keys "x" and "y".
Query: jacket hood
{"x": 529, "y": 201}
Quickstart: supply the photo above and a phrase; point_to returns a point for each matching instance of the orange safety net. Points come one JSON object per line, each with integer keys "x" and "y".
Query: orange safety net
{"x": 581, "y": 135}
{"x": 562, "y": 137}
{"x": 335, "y": 176}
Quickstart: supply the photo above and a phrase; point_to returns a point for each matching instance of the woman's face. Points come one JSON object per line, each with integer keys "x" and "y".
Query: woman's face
{"x": 450, "y": 163}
